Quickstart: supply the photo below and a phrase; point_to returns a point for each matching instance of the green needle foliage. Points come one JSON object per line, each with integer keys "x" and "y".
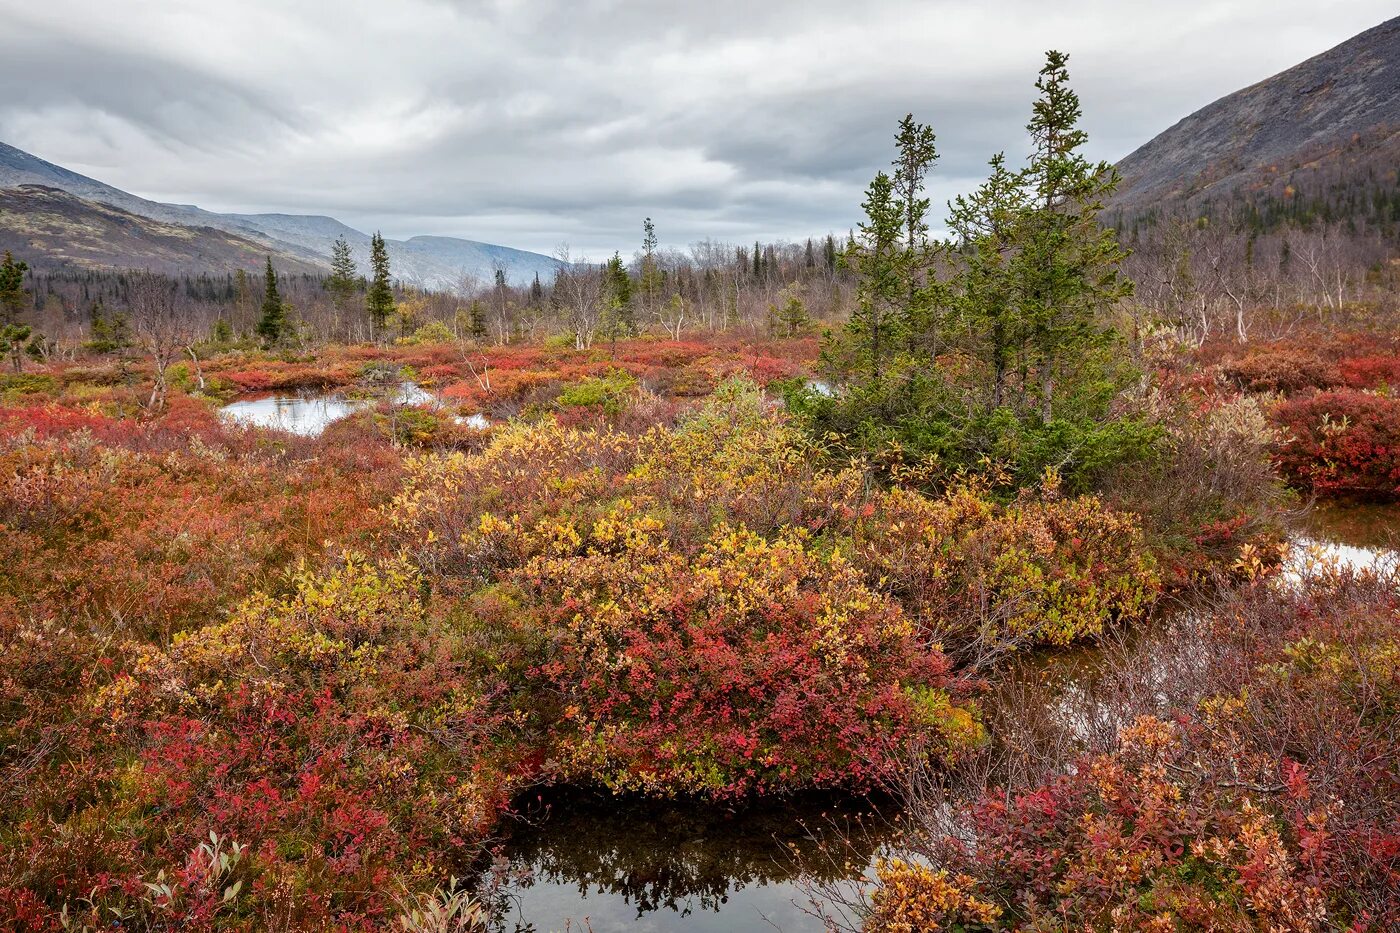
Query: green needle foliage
{"x": 379, "y": 300}
{"x": 344, "y": 278}
{"x": 272, "y": 323}
{"x": 994, "y": 351}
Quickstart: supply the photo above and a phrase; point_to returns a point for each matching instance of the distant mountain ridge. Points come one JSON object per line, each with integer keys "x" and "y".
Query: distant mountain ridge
{"x": 66, "y": 231}
{"x": 298, "y": 240}
{"x": 1320, "y": 141}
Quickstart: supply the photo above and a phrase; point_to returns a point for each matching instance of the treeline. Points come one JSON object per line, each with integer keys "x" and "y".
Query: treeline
{"x": 765, "y": 288}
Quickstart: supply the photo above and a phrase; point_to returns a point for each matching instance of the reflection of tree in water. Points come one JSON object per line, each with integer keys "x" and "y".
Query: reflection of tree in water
{"x": 673, "y": 854}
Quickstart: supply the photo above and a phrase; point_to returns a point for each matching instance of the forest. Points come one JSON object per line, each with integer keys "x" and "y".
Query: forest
{"x": 1015, "y": 530}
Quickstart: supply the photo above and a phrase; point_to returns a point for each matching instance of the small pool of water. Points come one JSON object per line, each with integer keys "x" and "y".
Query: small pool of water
{"x": 310, "y": 413}
{"x": 304, "y": 414}
{"x": 1352, "y": 536}
{"x": 601, "y": 863}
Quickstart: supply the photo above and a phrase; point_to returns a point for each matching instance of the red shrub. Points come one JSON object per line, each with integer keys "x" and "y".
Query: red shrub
{"x": 1341, "y": 443}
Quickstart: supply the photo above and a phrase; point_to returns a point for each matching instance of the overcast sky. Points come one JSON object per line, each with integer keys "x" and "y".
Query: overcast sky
{"x": 533, "y": 123}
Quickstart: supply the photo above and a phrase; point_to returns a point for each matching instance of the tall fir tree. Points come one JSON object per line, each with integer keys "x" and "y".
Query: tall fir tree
{"x": 14, "y": 297}
{"x": 344, "y": 278}
{"x": 379, "y": 300}
{"x": 876, "y": 323}
{"x": 986, "y": 225}
{"x": 1066, "y": 263}
{"x": 272, "y": 322}
{"x": 649, "y": 279}
{"x": 619, "y": 317}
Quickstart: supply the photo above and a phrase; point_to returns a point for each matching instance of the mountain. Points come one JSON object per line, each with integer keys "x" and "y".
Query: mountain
{"x": 298, "y": 240}
{"x": 72, "y": 232}
{"x": 1318, "y": 142}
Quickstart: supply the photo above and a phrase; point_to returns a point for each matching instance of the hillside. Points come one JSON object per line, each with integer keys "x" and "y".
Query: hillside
{"x": 1319, "y": 142}
{"x": 431, "y": 262}
{"x": 70, "y": 232}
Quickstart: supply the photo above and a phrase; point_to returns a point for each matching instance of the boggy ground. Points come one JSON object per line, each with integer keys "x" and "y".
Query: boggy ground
{"x": 257, "y": 681}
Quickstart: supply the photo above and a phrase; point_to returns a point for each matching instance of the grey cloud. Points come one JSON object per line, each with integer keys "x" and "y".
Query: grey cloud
{"x": 531, "y": 122}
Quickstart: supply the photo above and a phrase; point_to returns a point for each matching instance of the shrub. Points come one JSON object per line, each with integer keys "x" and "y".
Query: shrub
{"x": 753, "y": 665}
{"x": 1341, "y": 443}
{"x": 1283, "y": 370}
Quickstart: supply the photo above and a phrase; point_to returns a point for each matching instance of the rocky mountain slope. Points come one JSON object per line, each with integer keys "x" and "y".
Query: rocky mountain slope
{"x": 294, "y": 239}
{"x": 65, "y": 231}
{"x": 1320, "y": 141}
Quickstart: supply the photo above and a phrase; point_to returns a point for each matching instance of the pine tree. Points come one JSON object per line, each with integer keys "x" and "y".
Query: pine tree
{"x": 272, "y": 324}
{"x": 650, "y": 273}
{"x": 13, "y": 295}
{"x": 106, "y": 335}
{"x": 1067, "y": 263}
{"x": 916, "y": 154}
{"x": 344, "y": 277}
{"x": 477, "y": 316}
{"x": 792, "y": 317}
{"x": 876, "y": 321}
{"x": 986, "y": 225}
{"x": 619, "y": 318}
{"x": 379, "y": 301}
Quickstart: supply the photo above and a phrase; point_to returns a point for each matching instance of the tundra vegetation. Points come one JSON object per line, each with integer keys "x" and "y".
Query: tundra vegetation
{"x": 746, "y": 522}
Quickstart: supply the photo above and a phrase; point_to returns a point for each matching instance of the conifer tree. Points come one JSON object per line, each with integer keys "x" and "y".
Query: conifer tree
{"x": 13, "y": 295}
{"x": 344, "y": 277}
{"x": 649, "y": 278}
{"x": 876, "y": 321}
{"x": 986, "y": 224}
{"x": 619, "y": 318}
{"x": 272, "y": 323}
{"x": 1066, "y": 262}
{"x": 477, "y": 317}
{"x": 379, "y": 301}
{"x": 792, "y": 317}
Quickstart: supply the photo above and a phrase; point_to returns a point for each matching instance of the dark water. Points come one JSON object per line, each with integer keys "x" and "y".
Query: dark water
{"x": 605, "y": 863}
{"x": 1364, "y": 526}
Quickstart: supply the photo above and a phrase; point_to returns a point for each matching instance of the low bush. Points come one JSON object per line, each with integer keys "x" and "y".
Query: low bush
{"x": 1341, "y": 443}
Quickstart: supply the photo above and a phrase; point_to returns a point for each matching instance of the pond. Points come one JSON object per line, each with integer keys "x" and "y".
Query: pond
{"x": 309, "y": 413}
{"x": 597, "y": 862}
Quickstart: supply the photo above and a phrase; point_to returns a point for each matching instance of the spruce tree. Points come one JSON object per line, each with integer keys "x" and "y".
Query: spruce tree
{"x": 344, "y": 277}
{"x": 379, "y": 301}
{"x": 272, "y": 323}
{"x": 792, "y": 317}
{"x": 620, "y": 320}
{"x": 649, "y": 278}
{"x": 876, "y": 321}
{"x": 477, "y": 316}
{"x": 986, "y": 225}
{"x": 13, "y": 295}
{"x": 1067, "y": 263}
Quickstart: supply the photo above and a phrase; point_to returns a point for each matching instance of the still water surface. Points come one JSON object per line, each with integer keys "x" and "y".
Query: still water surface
{"x": 310, "y": 413}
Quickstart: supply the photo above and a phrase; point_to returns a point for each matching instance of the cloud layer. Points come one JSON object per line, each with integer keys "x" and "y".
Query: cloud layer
{"x": 532, "y": 123}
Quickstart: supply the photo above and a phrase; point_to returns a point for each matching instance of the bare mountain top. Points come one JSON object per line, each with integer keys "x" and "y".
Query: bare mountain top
{"x": 1334, "y": 119}
{"x": 304, "y": 240}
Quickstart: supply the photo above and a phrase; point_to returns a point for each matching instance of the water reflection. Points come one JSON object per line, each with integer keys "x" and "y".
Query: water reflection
{"x": 642, "y": 864}
{"x": 309, "y": 413}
